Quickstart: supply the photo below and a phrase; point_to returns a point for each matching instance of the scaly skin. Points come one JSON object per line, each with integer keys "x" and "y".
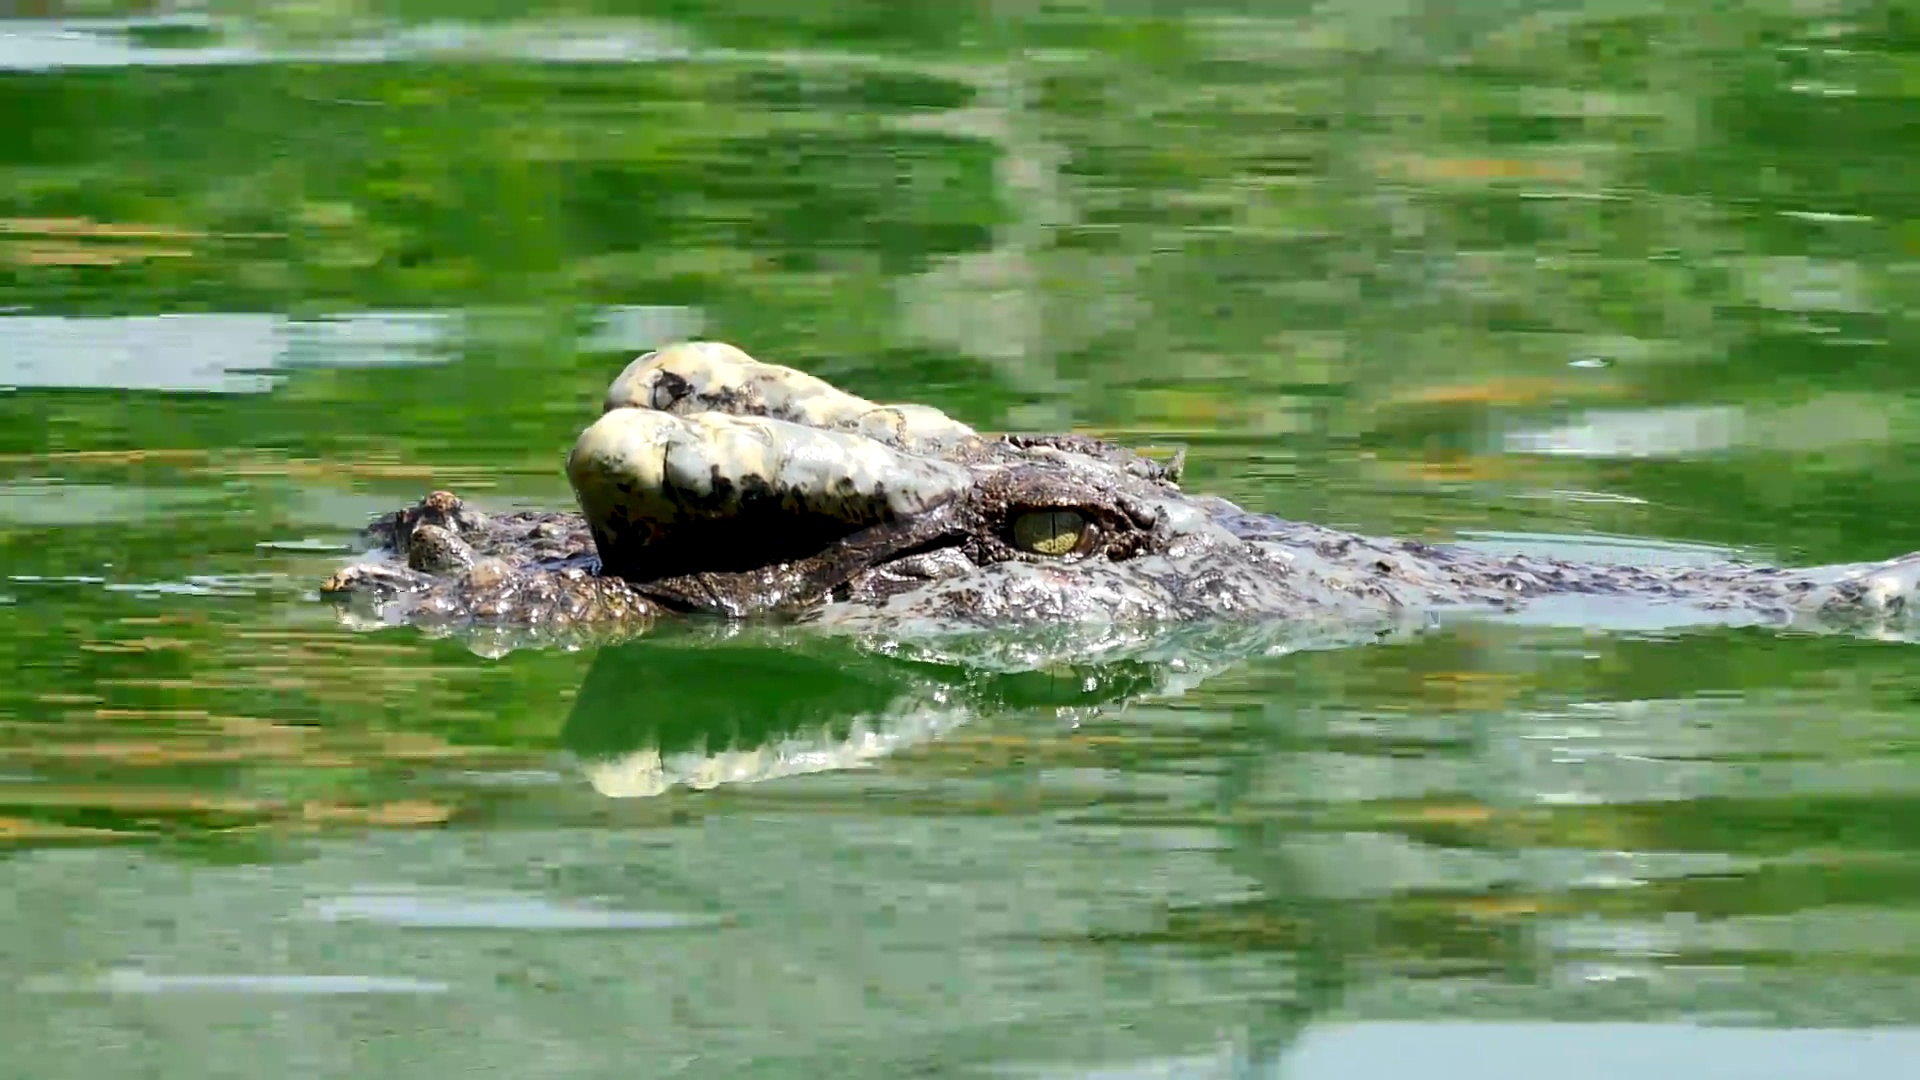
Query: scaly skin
{"x": 716, "y": 483}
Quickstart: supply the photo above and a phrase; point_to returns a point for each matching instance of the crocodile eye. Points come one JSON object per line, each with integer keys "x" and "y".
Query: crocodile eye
{"x": 1050, "y": 532}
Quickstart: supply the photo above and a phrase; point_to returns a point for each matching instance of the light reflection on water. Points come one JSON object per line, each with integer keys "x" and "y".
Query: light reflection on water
{"x": 136, "y": 981}
{"x": 1522, "y": 1051}
{"x": 451, "y": 910}
{"x": 233, "y": 353}
{"x": 200, "y": 41}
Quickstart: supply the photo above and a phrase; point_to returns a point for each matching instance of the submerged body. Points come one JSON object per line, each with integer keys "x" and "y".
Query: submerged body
{"x": 716, "y": 483}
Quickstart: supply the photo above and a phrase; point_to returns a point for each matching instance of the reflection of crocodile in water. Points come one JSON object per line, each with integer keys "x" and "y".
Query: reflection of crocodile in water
{"x": 715, "y": 483}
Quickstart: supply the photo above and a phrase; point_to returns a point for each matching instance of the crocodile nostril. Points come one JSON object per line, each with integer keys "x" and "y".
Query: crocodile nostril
{"x": 668, "y": 390}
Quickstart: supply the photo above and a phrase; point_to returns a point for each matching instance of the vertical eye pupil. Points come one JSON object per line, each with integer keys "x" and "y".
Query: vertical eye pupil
{"x": 1055, "y": 531}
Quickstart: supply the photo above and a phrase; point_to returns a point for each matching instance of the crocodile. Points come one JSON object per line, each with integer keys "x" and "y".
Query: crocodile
{"x": 714, "y": 483}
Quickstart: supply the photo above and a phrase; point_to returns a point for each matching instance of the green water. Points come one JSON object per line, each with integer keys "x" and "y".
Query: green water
{"x": 1574, "y": 274}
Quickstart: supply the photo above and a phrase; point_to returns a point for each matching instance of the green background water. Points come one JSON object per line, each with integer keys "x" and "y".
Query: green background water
{"x": 1569, "y": 272}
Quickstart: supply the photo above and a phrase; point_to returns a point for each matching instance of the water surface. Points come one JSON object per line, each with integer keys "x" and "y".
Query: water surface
{"x": 1592, "y": 279}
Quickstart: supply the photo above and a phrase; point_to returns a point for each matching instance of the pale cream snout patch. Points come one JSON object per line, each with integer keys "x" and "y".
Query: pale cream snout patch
{"x": 710, "y": 376}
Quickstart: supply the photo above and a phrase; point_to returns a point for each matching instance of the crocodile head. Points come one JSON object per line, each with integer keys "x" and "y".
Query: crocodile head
{"x": 715, "y": 483}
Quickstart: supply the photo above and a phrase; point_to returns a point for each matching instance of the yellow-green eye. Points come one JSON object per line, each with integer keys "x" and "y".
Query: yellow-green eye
{"x": 1049, "y": 532}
